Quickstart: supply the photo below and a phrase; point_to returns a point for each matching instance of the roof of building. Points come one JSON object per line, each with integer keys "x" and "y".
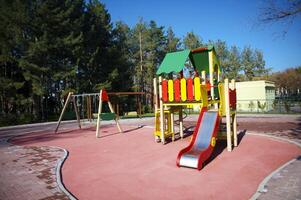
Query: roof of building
{"x": 255, "y": 83}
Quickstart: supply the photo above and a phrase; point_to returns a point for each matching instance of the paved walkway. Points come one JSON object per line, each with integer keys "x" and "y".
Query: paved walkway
{"x": 286, "y": 184}
{"x": 29, "y": 172}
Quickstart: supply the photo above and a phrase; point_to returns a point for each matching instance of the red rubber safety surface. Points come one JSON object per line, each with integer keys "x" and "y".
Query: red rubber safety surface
{"x": 132, "y": 166}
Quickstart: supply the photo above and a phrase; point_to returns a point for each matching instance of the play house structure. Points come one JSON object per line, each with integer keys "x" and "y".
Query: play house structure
{"x": 192, "y": 78}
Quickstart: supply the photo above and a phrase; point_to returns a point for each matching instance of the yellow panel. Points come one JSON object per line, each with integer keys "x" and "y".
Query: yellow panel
{"x": 170, "y": 90}
{"x": 222, "y": 107}
{"x": 204, "y": 95}
{"x": 197, "y": 88}
{"x": 183, "y": 90}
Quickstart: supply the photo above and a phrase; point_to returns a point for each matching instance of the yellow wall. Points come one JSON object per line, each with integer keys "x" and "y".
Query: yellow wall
{"x": 249, "y": 93}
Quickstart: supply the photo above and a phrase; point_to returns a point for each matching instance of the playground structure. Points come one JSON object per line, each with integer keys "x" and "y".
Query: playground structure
{"x": 214, "y": 98}
{"x": 95, "y": 101}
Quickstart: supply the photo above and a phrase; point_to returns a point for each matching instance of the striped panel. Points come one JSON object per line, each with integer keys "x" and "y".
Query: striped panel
{"x": 197, "y": 88}
{"x": 164, "y": 91}
{"x": 190, "y": 89}
{"x": 170, "y": 91}
{"x": 176, "y": 85}
{"x": 183, "y": 90}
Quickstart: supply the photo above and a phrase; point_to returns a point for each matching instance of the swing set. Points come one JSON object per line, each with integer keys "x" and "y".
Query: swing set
{"x": 93, "y": 102}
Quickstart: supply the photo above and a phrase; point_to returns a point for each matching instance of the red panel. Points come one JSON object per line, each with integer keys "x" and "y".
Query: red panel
{"x": 176, "y": 85}
{"x": 189, "y": 89}
{"x": 232, "y": 95}
{"x": 164, "y": 91}
{"x": 104, "y": 95}
{"x": 208, "y": 87}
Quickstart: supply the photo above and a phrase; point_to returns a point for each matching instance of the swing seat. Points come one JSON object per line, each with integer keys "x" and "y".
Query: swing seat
{"x": 107, "y": 116}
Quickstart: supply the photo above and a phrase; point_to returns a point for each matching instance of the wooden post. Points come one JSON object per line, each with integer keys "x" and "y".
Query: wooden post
{"x": 234, "y": 120}
{"x": 140, "y": 108}
{"x": 228, "y": 118}
{"x": 76, "y": 112}
{"x": 155, "y": 94}
{"x": 161, "y": 112}
{"x": 116, "y": 120}
{"x": 172, "y": 125}
{"x": 117, "y": 106}
{"x": 203, "y": 77}
{"x": 181, "y": 122}
{"x": 89, "y": 108}
{"x": 98, "y": 115}
{"x": 211, "y": 69}
{"x": 63, "y": 111}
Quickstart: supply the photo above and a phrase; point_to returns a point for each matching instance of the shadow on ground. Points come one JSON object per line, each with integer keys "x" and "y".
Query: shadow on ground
{"x": 45, "y": 136}
{"x": 221, "y": 145}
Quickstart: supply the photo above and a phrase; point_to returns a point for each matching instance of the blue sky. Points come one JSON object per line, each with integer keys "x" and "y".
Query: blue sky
{"x": 234, "y": 21}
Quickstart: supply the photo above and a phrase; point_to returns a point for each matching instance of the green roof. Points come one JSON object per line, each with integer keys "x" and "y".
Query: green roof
{"x": 173, "y": 62}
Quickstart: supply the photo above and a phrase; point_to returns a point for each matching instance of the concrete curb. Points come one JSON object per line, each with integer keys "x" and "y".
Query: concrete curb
{"x": 59, "y": 174}
{"x": 262, "y": 186}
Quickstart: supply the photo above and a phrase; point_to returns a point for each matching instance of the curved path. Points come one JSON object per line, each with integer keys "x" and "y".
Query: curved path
{"x": 132, "y": 166}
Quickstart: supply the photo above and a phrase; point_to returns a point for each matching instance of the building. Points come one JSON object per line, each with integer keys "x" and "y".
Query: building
{"x": 255, "y": 96}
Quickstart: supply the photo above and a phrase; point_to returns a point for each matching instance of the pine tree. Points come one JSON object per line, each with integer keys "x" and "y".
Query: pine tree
{"x": 234, "y": 63}
{"x": 173, "y": 42}
{"x": 192, "y": 41}
{"x": 13, "y": 88}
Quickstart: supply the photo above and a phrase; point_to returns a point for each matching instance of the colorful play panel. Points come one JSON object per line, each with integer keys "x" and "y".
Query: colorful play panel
{"x": 180, "y": 86}
{"x": 131, "y": 165}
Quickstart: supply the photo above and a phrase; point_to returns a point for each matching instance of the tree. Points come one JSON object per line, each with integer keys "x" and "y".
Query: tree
{"x": 155, "y": 52}
{"x": 13, "y": 89}
{"x": 288, "y": 81}
{"x": 95, "y": 70}
{"x": 137, "y": 42}
{"x": 280, "y": 11}
{"x": 253, "y": 63}
{"x": 192, "y": 41}
{"x": 234, "y": 64}
{"x": 173, "y": 42}
{"x": 54, "y": 35}
{"x": 120, "y": 57}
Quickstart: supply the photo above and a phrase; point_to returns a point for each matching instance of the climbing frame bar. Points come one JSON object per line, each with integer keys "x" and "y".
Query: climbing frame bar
{"x": 63, "y": 111}
{"x": 161, "y": 112}
{"x": 116, "y": 120}
{"x": 228, "y": 117}
{"x": 76, "y": 112}
{"x": 234, "y": 117}
{"x": 98, "y": 115}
